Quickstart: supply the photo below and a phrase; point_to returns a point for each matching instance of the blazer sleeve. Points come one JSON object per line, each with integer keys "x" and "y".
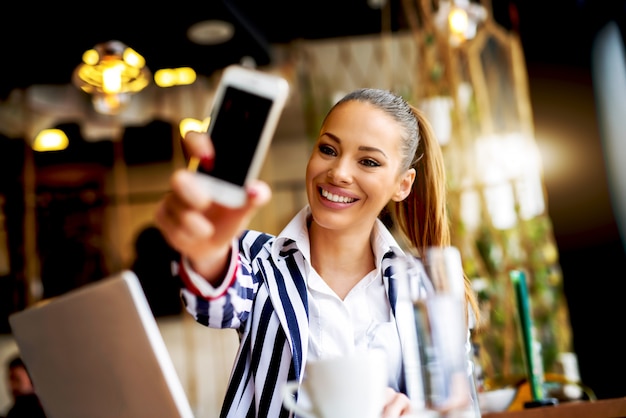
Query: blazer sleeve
{"x": 230, "y": 305}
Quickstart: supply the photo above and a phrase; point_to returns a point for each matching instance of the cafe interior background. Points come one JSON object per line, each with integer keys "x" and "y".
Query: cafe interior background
{"x": 533, "y": 185}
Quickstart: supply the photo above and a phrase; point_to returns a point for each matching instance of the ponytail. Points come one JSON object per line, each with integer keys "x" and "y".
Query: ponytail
{"x": 423, "y": 216}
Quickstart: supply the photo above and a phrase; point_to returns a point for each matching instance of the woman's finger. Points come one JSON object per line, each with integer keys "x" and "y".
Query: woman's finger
{"x": 190, "y": 191}
{"x": 396, "y": 405}
{"x": 198, "y": 145}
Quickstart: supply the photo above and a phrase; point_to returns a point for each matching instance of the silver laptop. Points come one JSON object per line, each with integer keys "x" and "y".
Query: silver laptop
{"x": 97, "y": 352}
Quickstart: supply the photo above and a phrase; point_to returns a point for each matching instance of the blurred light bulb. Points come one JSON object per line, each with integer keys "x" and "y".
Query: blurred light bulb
{"x": 112, "y": 79}
{"x": 186, "y": 75}
{"x": 165, "y": 77}
{"x": 132, "y": 58}
{"x": 50, "y": 140}
{"x": 169, "y": 77}
{"x": 460, "y": 18}
{"x": 458, "y": 21}
{"x": 191, "y": 124}
{"x": 91, "y": 57}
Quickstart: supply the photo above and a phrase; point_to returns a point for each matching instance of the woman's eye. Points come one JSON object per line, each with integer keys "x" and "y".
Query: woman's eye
{"x": 370, "y": 163}
{"x": 325, "y": 149}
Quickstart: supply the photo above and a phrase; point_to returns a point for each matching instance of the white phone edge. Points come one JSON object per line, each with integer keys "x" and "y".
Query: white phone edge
{"x": 263, "y": 84}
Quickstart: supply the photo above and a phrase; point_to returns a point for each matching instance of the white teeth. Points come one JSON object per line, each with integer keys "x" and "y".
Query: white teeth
{"x": 336, "y": 198}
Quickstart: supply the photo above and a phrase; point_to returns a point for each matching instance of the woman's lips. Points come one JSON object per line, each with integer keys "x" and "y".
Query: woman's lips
{"x": 336, "y": 198}
{"x": 336, "y": 195}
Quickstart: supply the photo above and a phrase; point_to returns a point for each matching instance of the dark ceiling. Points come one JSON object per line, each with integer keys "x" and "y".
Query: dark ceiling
{"x": 42, "y": 44}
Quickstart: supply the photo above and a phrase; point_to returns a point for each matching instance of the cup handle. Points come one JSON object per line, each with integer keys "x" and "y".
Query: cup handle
{"x": 289, "y": 401}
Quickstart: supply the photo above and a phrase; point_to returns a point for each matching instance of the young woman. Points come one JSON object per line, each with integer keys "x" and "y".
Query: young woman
{"x": 321, "y": 287}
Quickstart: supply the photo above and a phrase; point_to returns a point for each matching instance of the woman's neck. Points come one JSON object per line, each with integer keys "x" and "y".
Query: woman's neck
{"x": 341, "y": 259}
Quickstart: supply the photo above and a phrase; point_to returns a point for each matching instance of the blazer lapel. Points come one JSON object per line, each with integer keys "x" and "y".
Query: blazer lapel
{"x": 288, "y": 293}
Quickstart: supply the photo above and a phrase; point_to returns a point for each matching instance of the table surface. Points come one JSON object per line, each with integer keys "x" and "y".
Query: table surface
{"x": 605, "y": 408}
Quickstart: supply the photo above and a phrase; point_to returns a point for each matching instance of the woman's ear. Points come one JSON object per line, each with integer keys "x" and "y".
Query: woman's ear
{"x": 405, "y": 185}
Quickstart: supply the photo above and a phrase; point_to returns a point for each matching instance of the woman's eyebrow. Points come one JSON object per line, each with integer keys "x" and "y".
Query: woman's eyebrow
{"x": 372, "y": 149}
{"x": 331, "y": 136}
{"x": 335, "y": 138}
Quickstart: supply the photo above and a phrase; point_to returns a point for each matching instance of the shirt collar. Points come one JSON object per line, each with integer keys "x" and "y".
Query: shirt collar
{"x": 297, "y": 230}
{"x": 383, "y": 242}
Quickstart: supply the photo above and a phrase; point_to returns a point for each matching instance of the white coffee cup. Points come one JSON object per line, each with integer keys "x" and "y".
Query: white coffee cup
{"x": 351, "y": 386}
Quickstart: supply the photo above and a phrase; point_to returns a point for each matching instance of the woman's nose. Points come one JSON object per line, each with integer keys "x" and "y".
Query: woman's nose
{"x": 340, "y": 173}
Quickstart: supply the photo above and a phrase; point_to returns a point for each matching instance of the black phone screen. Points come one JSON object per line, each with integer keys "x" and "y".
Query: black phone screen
{"x": 236, "y": 132}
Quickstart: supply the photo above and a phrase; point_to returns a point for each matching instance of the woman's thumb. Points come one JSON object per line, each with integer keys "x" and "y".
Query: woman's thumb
{"x": 259, "y": 194}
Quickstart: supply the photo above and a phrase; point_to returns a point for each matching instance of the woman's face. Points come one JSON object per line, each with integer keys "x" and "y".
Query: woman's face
{"x": 355, "y": 167}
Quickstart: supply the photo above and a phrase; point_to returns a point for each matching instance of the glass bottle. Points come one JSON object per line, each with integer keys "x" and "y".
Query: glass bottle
{"x": 443, "y": 329}
{"x": 437, "y": 353}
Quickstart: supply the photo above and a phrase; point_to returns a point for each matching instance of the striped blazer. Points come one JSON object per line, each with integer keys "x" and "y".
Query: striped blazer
{"x": 267, "y": 304}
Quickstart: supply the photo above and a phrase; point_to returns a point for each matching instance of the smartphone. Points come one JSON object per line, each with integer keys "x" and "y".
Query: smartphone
{"x": 246, "y": 108}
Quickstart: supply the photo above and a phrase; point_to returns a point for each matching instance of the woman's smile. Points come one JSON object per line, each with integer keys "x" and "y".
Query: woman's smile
{"x": 336, "y": 197}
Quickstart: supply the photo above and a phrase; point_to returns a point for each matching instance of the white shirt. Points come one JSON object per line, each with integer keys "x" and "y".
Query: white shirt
{"x": 361, "y": 321}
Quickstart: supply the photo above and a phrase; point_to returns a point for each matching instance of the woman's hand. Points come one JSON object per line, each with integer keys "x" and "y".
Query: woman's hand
{"x": 197, "y": 227}
{"x": 396, "y": 404}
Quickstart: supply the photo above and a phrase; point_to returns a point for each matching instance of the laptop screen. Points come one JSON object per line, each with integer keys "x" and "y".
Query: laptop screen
{"x": 97, "y": 352}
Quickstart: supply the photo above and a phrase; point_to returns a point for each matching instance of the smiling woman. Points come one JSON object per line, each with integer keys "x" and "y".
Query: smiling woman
{"x": 298, "y": 296}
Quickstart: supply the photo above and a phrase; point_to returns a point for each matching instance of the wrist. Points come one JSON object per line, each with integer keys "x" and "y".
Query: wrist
{"x": 213, "y": 269}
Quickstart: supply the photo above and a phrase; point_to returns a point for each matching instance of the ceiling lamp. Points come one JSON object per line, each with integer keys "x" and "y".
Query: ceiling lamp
{"x": 50, "y": 140}
{"x": 191, "y": 124}
{"x": 460, "y": 18}
{"x": 110, "y": 73}
{"x": 169, "y": 77}
{"x": 211, "y": 32}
